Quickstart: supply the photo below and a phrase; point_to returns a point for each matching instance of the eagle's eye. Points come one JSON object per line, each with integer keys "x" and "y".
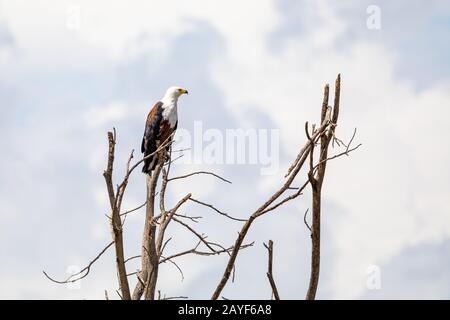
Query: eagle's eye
{"x": 180, "y": 90}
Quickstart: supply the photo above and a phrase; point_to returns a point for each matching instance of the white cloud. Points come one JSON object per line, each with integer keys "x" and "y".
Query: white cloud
{"x": 394, "y": 188}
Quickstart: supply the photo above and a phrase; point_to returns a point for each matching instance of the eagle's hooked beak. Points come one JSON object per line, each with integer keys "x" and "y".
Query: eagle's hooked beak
{"x": 182, "y": 91}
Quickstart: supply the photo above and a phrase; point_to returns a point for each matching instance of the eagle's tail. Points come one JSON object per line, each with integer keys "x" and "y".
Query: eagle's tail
{"x": 149, "y": 165}
{"x": 145, "y": 167}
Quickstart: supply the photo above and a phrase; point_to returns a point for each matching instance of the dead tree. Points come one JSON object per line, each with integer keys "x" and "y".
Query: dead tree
{"x": 155, "y": 226}
{"x": 157, "y": 220}
{"x": 319, "y": 136}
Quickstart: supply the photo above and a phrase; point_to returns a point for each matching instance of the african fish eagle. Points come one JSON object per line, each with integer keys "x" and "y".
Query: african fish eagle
{"x": 161, "y": 123}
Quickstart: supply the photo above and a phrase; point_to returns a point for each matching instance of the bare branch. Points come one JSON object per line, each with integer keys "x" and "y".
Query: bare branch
{"x": 115, "y": 200}
{"x": 203, "y": 253}
{"x": 149, "y": 253}
{"x": 307, "y": 131}
{"x": 182, "y": 150}
{"x": 163, "y": 191}
{"x": 326, "y": 94}
{"x": 304, "y": 220}
{"x": 164, "y": 259}
{"x": 306, "y": 148}
{"x": 165, "y": 244}
{"x": 288, "y": 198}
{"x": 200, "y": 237}
{"x": 347, "y": 151}
{"x": 166, "y": 221}
{"x": 192, "y": 218}
{"x": 200, "y": 172}
{"x": 174, "y": 298}
{"x": 269, "y": 270}
{"x": 135, "y": 209}
{"x": 83, "y": 272}
{"x": 132, "y": 258}
{"x": 173, "y": 160}
{"x": 316, "y": 187}
{"x": 177, "y": 266}
{"x": 215, "y": 209}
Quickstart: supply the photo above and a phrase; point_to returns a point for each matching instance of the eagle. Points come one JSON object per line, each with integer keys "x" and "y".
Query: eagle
{"x": 162, "y": 121}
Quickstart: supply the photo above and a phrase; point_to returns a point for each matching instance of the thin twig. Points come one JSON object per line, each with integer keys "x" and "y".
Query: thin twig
{"x": 83, "y": 272}
{"x": 200, "y": 172}
{"x": 192, "y": 218}
{"x": 177, "y": 266}
{"x": 203, "y": 253}
{"x": 304, "y": 220}
{"x": 215, "y": 209}
{"x": 132, "y": 258}
{"x": 200, "y": 237}
{"x": 288, "y": 198}
{"x": 173, "y": 298}
{"x": 135, "y": 209}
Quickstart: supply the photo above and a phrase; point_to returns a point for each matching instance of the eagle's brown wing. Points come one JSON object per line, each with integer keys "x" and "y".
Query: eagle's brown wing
{"x": 157, "y": 131}
{"x": 165, "y": 131}
{"x": 151, "y": 134}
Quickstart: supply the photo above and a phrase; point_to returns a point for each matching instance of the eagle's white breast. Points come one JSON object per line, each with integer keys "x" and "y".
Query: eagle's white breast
{"x": 170, "y": 113}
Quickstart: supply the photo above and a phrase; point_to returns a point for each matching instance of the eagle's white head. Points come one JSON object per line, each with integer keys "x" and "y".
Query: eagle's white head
{"x": 173, "y": 93}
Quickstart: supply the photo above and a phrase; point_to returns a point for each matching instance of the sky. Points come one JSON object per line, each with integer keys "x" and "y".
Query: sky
{"x": 72, "y": 70}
